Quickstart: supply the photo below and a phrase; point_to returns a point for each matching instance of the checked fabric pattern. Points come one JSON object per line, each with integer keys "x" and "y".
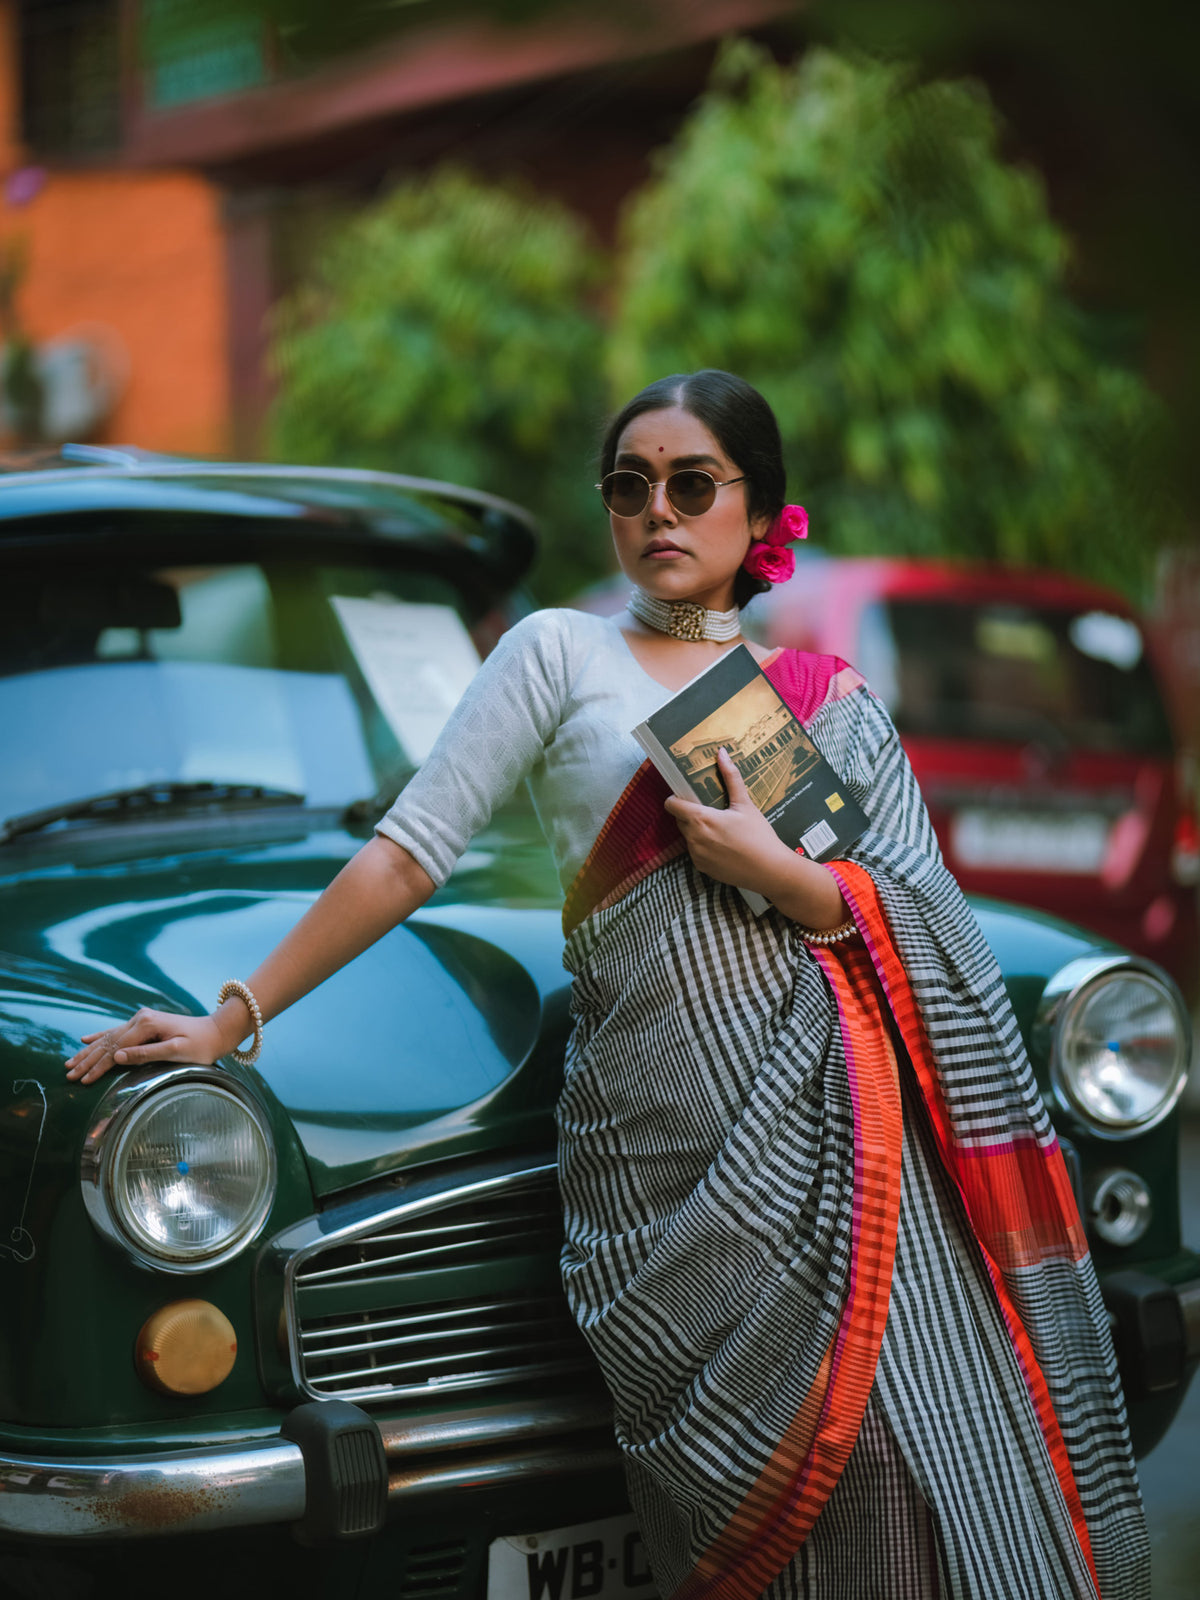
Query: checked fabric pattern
{"x": 818, "y": 1229}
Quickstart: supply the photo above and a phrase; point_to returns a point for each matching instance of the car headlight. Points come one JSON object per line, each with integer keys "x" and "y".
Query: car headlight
{"x": 1119, "y": 1041}
{"x": 179, "y": 1168}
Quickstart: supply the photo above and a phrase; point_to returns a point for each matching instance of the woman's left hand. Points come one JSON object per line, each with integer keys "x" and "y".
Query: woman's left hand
{"x": 738, "y": 845}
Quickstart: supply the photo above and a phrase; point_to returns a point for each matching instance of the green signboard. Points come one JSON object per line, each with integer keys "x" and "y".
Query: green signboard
{"x": 188, "y": 57}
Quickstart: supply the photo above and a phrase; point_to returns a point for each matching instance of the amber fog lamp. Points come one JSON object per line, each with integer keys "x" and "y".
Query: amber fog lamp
{"x": 188, "y": 1347}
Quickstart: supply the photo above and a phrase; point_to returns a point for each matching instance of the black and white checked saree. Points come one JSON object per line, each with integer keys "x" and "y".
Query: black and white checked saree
{"x": 818, "y": 1231}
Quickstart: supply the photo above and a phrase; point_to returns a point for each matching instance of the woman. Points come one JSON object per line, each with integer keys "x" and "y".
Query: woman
{"x": 818, "y": 1229}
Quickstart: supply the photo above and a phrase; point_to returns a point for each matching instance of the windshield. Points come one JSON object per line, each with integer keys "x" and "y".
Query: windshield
{"x": 1014, "y": 673}
{"x": 328, "y": 682}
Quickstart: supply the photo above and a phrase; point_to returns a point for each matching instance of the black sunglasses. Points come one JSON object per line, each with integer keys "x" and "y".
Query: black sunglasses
{"x": 691, "y": 491}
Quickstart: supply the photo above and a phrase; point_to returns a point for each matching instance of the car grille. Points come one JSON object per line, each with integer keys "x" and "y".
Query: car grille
{"x": 433, "y": 1571}
{"x": 461, "y": 1294}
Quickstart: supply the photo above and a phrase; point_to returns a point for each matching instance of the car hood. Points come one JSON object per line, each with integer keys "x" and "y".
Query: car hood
{"x": 446, "y": 1036}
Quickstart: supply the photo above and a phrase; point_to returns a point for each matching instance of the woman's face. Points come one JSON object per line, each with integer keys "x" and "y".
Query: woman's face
{"x": 669, "y": 555}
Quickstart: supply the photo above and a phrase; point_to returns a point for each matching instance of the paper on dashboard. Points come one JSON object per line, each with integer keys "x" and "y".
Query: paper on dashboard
{"x": 416, "y": 659}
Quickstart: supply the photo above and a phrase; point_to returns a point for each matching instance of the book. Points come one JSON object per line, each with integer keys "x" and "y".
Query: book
{"x": 734, "y": 704}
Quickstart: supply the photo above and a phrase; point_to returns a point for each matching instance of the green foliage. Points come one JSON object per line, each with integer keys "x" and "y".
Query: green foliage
{"x": 446, "y": 333}
{"x": 844, "y": 235}
{"x": 848, "y": 239}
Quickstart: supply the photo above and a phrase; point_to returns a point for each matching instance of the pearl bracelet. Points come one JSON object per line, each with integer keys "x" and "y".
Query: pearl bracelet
{"x": 244, "y": 1058}
{"x": 829, "y": 935}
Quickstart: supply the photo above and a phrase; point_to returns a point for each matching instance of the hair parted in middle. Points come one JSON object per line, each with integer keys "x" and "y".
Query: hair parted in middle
{"x": 741, "y": 422}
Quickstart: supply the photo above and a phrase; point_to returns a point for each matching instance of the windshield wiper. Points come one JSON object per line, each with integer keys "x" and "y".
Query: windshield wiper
{"x": 122, "y": 804}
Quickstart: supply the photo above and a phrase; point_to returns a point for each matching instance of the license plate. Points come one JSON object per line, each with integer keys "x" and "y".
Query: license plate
{"x": 1025, "y": 841}
{"x": 591, "y": 1561}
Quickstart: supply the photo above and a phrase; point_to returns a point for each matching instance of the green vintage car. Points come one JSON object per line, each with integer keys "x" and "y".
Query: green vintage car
{"x": 302, "y": 1324}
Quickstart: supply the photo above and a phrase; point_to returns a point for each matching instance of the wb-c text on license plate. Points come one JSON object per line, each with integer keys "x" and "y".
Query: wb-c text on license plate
{"x": 592, "y": 1561}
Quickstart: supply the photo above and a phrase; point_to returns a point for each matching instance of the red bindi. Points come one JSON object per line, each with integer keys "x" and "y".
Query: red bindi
{"x": 660, "y": 449}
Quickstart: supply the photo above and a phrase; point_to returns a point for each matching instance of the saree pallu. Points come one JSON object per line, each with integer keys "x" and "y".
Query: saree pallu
{"x": 815, "y": 1209}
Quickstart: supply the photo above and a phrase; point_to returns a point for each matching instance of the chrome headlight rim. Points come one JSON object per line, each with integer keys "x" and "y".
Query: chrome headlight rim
{"x": 1064, "y": 995}
{"x": 107, "y": 1135}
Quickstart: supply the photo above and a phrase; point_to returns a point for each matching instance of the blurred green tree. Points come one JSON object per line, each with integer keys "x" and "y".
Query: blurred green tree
{"x": 847, "y": 237}
{"x": 446, "y": 331}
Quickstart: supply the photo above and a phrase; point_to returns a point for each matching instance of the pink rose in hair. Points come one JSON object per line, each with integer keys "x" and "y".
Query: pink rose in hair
{"x": 791, "y": 523}
{"x": 769, "y": 561}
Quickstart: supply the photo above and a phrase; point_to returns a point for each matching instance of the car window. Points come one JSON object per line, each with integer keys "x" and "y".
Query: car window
{"x": 1014, "y": 673}
{"x": 245, "y": 673}
{"x": 226, "y": 615}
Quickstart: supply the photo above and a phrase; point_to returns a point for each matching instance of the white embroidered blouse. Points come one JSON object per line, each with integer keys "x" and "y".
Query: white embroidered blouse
{"x": 554, "y": 705}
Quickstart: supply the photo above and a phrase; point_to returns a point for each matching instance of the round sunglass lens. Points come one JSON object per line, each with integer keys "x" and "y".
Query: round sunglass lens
{"x": 625, "y": 493}
{"x": 691, "y": 492}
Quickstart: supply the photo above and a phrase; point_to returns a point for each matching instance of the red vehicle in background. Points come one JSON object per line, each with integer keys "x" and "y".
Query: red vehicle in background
{"x": 1028, "y": 706}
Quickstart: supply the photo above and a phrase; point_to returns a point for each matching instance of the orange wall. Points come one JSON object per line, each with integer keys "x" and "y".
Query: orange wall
{"x": 142, "y": 255}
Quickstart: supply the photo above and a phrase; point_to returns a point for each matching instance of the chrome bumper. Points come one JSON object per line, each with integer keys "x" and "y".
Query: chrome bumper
{"x": 263, "y": 1481}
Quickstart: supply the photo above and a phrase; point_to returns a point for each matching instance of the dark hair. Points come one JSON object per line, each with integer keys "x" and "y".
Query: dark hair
{"x": 741, "y": 422}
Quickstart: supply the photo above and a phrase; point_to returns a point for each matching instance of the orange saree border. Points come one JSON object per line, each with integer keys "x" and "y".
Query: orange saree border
{"x": 1018, "y": 1197}
{"x": 775, "y": 1517}
{"x": 1021, "y": 1207}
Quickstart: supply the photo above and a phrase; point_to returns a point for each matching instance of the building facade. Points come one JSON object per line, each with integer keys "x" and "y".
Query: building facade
{"x": 163, "y": 175}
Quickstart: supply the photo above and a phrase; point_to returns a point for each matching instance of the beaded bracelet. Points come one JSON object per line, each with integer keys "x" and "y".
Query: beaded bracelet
{"x": 244, "y": 1058}
{"x": 829, "y": 935}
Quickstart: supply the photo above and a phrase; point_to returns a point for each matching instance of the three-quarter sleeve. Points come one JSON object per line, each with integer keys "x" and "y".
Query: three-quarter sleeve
{"x": 492, "y": 740}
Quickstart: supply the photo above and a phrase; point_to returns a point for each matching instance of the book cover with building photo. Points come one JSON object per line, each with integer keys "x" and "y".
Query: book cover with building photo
{"x": 734, "y": 704}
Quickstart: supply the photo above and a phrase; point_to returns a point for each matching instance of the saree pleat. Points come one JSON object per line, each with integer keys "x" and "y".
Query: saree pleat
{"x": 818, "y": 1229}
{"x": 875, "y": 1538}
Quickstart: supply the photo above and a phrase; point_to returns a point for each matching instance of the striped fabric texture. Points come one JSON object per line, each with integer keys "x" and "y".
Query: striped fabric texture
{"x": 819, "y": 1233}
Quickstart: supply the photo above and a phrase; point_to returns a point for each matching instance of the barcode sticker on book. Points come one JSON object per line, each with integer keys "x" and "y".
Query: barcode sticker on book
{"x": 819, "y": 837}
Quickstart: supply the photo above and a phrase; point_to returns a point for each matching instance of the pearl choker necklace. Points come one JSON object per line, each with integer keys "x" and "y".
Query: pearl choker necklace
{"x": 684, "y": 619}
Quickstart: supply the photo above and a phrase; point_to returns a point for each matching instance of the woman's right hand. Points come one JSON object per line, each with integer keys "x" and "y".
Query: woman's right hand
{"x": 147, "y": 1036}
